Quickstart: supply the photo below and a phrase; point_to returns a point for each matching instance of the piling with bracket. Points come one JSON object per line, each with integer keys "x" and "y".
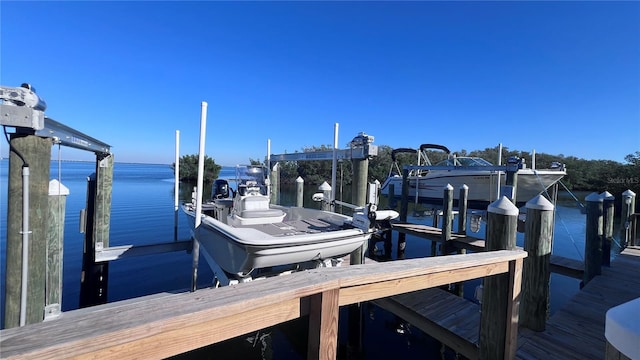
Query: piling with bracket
{"x": 27, "y": 307}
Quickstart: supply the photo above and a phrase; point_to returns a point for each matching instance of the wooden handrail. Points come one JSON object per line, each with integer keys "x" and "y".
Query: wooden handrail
{"x": 162, "y": 326}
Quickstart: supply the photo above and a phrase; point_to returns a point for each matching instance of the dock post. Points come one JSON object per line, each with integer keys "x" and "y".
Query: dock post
{"x": 326, "y": 193}
{"x": 404, "y": 205}
{"x": 274, "y": 178}
{"x": 323, "y": 325}
{"x": 593, "y": 240}
{"x": 462, "y": 229}
{"x": 538, "y": 237}
{"x": 359, "y": 184}
{"x": 299, "y": 191}
{"x": 36, "y": 152}
{"x": 95, "y": 276}
{"x": 628, "y": 208}
{"x": 511, "y": 182}
{"x": 462, "y": 209}
{"x": 55, "y": 245}
{"x": 392, "y": 196}
{"x": 447, "y": 213}
{"x": 359, "y": 198}
{"x": 607, "y": 226}
{"x": 500, "y": 300}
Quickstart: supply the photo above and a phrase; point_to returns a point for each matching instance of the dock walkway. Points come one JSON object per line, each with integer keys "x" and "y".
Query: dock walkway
{"x": 561, "y": 265}
{"x": 577, "y": 330}
{"x": 574, "y": 332}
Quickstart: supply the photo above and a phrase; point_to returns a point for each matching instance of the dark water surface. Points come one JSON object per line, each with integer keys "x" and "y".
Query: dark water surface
{"x": 143, "y": 213}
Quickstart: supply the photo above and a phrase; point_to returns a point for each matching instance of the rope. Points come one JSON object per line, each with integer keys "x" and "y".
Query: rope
{"x": 554, "y": 200}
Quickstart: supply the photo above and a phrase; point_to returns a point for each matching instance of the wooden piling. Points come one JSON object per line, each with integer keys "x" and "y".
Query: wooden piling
{"x": 55, "y": 245}
{"x": 462, "y": 209}
{"x": 274, "y": 178}
{"x": 593, "y": 238}
{"x": 326, "y": 193}
{"x": 511, "y": 181}
{"x": 538, "y": 237}
{"x": 628, "y": 207}
{"x": 36, "y": 152}
{"x": 607, "y": 226}
{"x": 500, "y": 299}
{"x": 299, "y": 191}
{"x": 392, "y": 196}
{"x": 404, "y": 205}
{"x": 447, "y": 213}
{"x": 359, "y": 184}
{"x": 462, "y": 229}
{"x": 95, "y": 275}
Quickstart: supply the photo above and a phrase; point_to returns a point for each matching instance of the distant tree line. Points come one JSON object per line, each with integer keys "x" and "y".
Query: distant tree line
{"x": 582, "y": 175}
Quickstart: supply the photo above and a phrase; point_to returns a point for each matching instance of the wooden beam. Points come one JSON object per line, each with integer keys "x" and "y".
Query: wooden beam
{"x": 323, "y": 325}
{"x": 177, "y": 323}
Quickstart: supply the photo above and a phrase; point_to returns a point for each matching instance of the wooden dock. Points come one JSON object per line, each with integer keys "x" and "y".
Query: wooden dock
{"x": 574, "y": 332}
{"x": 577, "y": 330}
{"x": 561, "y": 265}
{"x": 164, "y": 326}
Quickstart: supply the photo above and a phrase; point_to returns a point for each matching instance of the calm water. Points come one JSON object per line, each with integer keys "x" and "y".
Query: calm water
{"x": 143, "y": 213}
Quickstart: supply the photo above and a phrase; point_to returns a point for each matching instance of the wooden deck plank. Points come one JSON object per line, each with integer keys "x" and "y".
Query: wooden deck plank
{"x": 560, "y": 265}
{"x": 450, "y": 319}
{"x": 577, "y": 330}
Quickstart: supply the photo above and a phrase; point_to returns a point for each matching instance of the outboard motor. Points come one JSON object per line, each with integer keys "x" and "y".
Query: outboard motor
{"x": 220, "y": 189}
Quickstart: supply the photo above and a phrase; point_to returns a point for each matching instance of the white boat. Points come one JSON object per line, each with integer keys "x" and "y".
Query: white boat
{"x": 241, "y": 232}
{"x": 478, "y": 174}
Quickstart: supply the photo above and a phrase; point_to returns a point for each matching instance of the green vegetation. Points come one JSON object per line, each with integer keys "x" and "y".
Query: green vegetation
{"x": 189, "y": 169}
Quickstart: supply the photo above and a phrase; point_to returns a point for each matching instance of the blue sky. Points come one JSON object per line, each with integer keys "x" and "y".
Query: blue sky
{"x": 557, "y": 77}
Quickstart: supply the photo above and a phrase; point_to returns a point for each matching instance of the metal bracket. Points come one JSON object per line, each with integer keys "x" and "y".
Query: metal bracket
{"x": 52, "y": 311}
{"x": 21, "y": 116}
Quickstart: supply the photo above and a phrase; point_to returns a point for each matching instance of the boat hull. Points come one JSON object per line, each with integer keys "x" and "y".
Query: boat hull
{"x": 483, "y": 185}
{"x": 240, "y": 250}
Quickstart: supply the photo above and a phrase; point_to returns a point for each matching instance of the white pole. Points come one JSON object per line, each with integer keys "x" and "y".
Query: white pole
{"x": 533, "y": 159}
{"x": 499, "y": 173}
{"x": 268, "y": 166}
{"x": 198, "y": 220}
{"x": 176, "y": 189}
{"x": 25, "y": 245}
{"x": 334, "y": 164}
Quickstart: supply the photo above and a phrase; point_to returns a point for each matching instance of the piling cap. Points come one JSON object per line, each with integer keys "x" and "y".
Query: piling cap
{"x": 324, "y": 187}
{"x": 464, "y": 186}
{"x": 503, "y": 206}
{"x": 299, "y": 179}
{"x": 607, "y": 196}
{"x": 593, "y": 197}
{"x": 629, "y": 193}
{"x": 448, "y": 187}
{"x": 56, "y": 188}
{"x": 539, "y": 203}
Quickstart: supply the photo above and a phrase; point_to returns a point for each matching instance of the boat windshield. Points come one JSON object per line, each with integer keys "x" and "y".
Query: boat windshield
{"x": 251, "y": 176}
{"x": 464, "y": 161}
{"x": 246, "y": 173}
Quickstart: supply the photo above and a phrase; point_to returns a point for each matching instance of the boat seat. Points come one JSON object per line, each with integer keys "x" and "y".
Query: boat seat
{"x": 261, "y": 213}
{"x": 258, "y": 206}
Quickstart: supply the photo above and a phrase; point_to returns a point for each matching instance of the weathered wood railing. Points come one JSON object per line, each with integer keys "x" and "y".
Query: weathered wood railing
{"x": 162, "y": 326}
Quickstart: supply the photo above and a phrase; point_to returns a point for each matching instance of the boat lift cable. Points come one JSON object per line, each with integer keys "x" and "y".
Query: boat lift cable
{"x": 554, "y": 200}
{"x": 582, "y": 208}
